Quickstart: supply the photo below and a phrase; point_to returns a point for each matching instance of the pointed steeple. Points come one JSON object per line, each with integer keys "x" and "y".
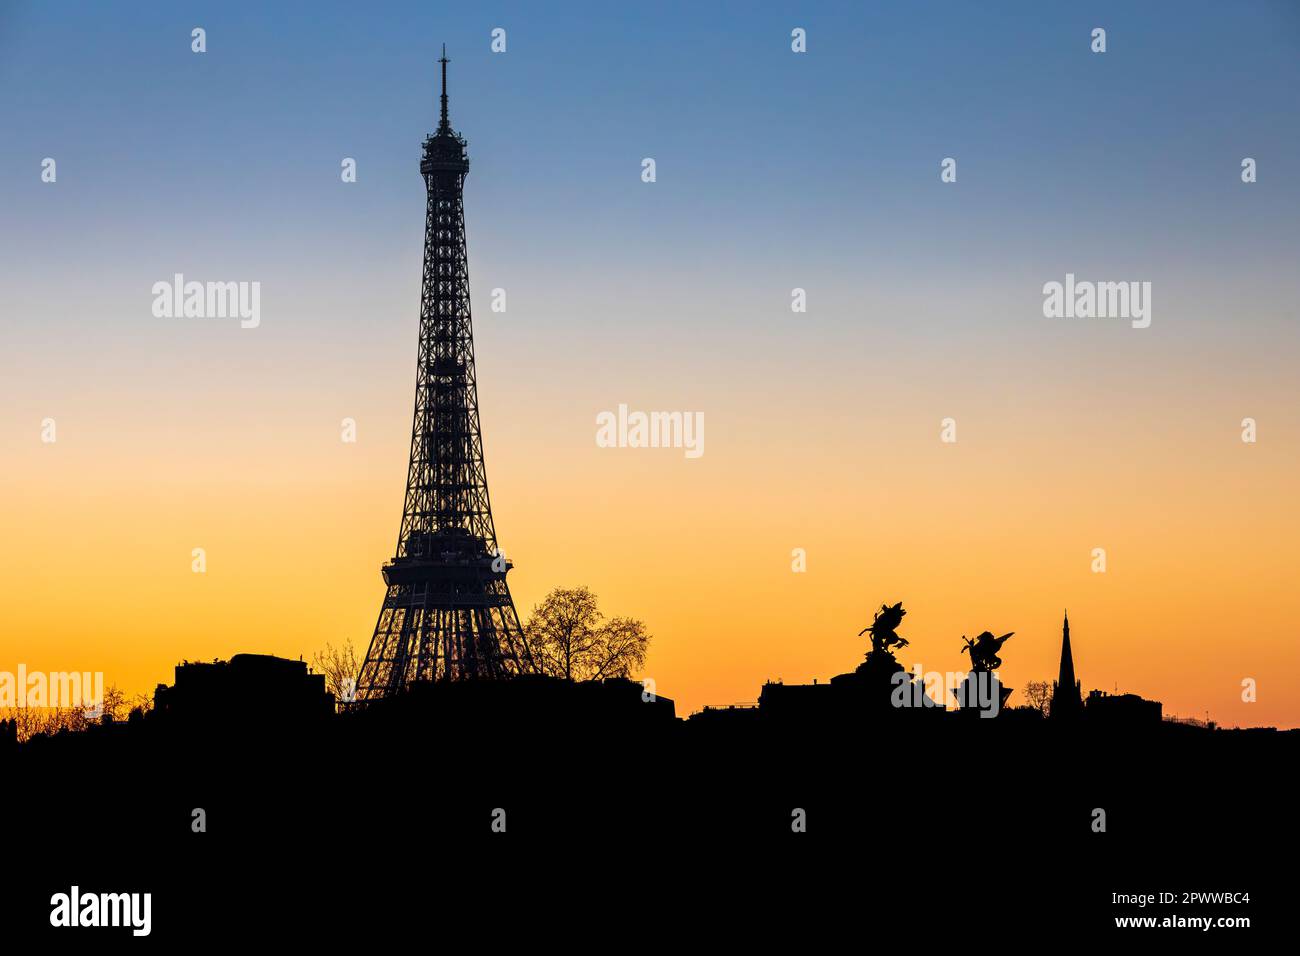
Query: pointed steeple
{"x": 1067, "y": 700}
{"x": 1066, "y": 676}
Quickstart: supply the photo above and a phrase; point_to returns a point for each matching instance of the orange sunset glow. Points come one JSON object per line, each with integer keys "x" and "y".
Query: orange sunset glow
{"x": 995, "y": 530}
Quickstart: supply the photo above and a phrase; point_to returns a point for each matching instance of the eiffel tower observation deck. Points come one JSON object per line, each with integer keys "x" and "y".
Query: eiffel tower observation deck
{"x": 447, "y": 613}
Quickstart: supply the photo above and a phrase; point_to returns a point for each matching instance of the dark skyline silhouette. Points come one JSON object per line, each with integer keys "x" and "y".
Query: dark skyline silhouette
{"x": 569, "y": 767}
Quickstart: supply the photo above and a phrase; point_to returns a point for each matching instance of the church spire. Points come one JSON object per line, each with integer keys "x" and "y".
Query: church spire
{"x": 1067, "y": 700}
{"x": 1066, "y": 676}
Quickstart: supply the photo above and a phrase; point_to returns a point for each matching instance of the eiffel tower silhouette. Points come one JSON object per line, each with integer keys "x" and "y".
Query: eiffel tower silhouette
{"x": 447, "y": 614}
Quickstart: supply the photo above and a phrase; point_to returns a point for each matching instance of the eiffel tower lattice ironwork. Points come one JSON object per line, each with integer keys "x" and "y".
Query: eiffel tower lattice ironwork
{"x": 447, "y": 614}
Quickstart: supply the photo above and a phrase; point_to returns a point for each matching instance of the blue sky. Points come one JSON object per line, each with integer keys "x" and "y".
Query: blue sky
{"x": 775, "y": 170}
{"x": 762, "y": 155}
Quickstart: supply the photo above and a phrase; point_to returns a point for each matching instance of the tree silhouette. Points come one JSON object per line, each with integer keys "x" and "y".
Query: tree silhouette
{"x": 115, "y": 705}
{"x": 340, "y": 667}
{"x": 570, "y": 638}
{"x": 1038, "y": 695}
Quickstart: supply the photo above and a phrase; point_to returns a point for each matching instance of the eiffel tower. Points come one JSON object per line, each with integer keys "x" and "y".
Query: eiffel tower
{"x": 447, "y": 614}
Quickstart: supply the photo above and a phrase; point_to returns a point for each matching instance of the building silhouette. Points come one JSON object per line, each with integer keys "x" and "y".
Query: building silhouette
{"x": 247, "y": 688}
{"x": 1122, "y": 710}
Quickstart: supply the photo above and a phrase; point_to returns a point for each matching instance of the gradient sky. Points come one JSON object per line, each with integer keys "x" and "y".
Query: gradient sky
{"x": 775, "y": 170}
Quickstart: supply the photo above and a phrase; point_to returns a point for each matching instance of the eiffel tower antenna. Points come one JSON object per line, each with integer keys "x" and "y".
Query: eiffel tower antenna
{"x": 447, "y": 613}
{"x": 444, "y": 125}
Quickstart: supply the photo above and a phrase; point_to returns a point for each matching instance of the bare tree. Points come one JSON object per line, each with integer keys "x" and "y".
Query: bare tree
{"x": 141, "y": 704}
{"x": 619, "y": 649}
{"x": 1038, "y": 694}
{"x": 30, "y": 722}
{"x": 114, "y": 706}
{"x": 569, "y": 637}
{"x": 340, "y": 667}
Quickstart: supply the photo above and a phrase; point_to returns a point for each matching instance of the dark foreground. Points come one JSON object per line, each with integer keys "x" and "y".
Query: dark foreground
{"x": 546, "y": 818}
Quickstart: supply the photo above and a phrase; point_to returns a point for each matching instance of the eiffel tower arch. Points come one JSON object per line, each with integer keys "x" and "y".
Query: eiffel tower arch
{"x": 447, "y": 613}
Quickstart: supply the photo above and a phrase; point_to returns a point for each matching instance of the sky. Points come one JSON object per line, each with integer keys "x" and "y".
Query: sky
{"x": 775, "y": 170}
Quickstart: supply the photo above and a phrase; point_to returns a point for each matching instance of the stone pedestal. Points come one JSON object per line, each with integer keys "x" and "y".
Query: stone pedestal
{"x": 875, "y": 684}
{"x": 981, "y": 694}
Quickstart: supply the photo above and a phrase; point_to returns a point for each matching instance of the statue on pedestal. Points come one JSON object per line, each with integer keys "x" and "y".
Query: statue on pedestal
{"x": 982, "y": 692}
{"x": 876, "y": 681}
{"x": 884, "y": 630}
